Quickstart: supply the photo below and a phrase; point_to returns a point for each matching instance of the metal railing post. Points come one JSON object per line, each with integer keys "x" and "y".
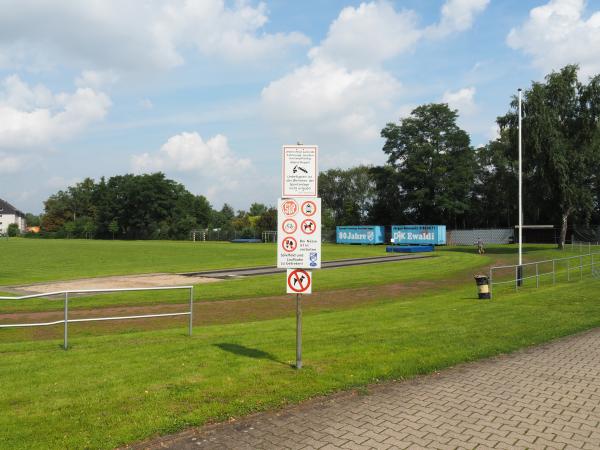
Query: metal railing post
{"x": 491, "y": 282}
{"x": 66, "y": 338}
{"x": 191, "y": 308}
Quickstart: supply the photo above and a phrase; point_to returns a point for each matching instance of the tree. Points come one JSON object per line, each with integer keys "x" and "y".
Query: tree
{"x": 495, "y": 191}
{"x": 348, "y": 194}
{"x": 561, "y": 146}
{"x": 387, "y": 205}
{"x": 257, "y": 209}
{"x": 69, "y": 228}
{"x": 113, "y": 227}
{"x": 13, "y": 230}
{"x": 434, "y": 163}
{"x": 32, "y": 220}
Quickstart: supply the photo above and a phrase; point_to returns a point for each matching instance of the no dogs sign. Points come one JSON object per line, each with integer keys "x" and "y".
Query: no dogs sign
{"x": 299, "y": 281}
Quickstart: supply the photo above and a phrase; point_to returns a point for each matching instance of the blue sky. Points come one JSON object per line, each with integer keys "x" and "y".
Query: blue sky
{"x": 208, "y": 91}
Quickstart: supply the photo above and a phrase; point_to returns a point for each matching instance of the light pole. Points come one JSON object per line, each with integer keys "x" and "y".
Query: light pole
{"x": 520, "y": 269}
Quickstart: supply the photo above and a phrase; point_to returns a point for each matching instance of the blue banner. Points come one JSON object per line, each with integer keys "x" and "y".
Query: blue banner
{"x": 419, "y": 234}
{"x": 360, "y": 235}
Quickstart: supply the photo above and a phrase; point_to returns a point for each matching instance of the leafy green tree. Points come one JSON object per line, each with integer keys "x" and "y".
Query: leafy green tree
{"x": 33, "y": 220}
{"x": 561, "y": 147}
{"x": 13, "y": 230}
{"x": 267, "y": 221}
{"x": 257, "y": 209}
{"x": 494, "y": 198}
{"x": 113, "y": 227}
{"x": 69, "y": 228}
{"x": 434, "y": 162}
{"x": 348, "y": 194}
{"x": 387, "y": 207}
{"x": 88, "y": 227}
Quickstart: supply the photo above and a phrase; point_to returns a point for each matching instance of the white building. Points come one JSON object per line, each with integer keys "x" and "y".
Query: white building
{"x": 9, "y": 214}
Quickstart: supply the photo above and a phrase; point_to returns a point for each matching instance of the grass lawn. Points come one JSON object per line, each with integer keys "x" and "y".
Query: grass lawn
{"x": 443, "y": 266}
{"x": 112, "y": 390}
{"x": 36, "y": 260}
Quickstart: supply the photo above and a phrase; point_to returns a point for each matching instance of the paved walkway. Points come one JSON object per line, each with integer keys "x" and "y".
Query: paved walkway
{"x": 543, "y": 397}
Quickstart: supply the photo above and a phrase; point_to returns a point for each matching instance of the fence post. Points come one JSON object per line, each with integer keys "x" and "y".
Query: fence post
{"x": 66, "y": 338}
{"x": 191, "y": 308}
{"x": 491, "y": 282}
{"x": 537, "y": 275}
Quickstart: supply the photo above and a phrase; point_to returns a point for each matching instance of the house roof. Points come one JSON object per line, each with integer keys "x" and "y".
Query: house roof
{"x": 7, "y": 208}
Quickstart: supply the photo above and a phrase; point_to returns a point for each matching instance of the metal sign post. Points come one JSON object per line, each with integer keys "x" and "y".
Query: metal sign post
{"x": 298, "y": 331}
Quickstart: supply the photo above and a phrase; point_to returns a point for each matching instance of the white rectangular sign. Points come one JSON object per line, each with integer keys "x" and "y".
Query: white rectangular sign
{"x": 300, "y": 171}
{"x": 299, "y": 233}
{"x": 299, "y": 281}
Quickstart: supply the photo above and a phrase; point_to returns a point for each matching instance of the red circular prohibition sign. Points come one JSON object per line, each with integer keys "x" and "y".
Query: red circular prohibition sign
{"x": 299, "y": 281}
{"x": 289, "y": 244}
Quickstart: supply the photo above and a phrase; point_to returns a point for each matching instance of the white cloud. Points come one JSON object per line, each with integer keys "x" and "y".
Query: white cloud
{"x": 188, "y": 152}
{"x": 457, "y": 15}
{"x": 556, "y": 34}
{"x": 368, "y": 35}
{"x": 328, "y": 98}
{"x": 134, "y": 35}
{"x": 34, "y": 117}
{"x": 343, "y": 90}
{"x": 96, "y": 79}
{"x": 463, "y": 100}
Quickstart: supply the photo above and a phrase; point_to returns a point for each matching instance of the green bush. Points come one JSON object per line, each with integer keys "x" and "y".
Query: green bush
{"x": 13, "y": 230}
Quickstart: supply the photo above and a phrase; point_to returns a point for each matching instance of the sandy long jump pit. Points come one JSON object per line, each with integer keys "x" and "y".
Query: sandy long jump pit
{"x": 118, "y": 282}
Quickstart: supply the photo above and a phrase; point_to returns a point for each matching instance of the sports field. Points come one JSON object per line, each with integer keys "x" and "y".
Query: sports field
{"x": 123, "y": 383}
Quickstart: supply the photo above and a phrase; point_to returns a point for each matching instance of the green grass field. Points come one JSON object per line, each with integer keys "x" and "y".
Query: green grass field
{"x": 112, "y": 390}
{"x": 120, "y": 386}
{"x": 25, "y": 261}
{"x": 35, "y": 260}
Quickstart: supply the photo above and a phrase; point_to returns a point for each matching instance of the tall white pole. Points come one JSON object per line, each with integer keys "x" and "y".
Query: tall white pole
{"x": 520, "y": 187}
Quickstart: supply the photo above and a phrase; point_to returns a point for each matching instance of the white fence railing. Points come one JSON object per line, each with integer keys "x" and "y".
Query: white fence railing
{"x": 570, "y": 267}
{"x": 66, "y": 321}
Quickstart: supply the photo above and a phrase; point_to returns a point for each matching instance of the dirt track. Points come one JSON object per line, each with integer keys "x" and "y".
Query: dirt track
{"x": 210, "y": 313}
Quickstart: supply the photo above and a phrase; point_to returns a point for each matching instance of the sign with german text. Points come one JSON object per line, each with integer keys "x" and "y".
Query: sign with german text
{"x": 300, "y": 172}
{"x": 299, "y": 233}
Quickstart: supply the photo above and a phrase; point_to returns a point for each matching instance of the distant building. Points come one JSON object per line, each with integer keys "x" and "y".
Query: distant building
{"x": 9, "y": 214}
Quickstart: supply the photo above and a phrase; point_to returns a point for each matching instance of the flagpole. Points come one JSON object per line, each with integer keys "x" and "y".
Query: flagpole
{"x": 520, "y": 273}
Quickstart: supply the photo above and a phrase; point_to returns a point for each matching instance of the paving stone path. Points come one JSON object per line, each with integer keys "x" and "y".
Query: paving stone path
{"x": 543, "y": 397}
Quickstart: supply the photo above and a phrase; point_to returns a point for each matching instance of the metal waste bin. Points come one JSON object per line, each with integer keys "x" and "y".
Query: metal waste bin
{"x": 483, "y": 286}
